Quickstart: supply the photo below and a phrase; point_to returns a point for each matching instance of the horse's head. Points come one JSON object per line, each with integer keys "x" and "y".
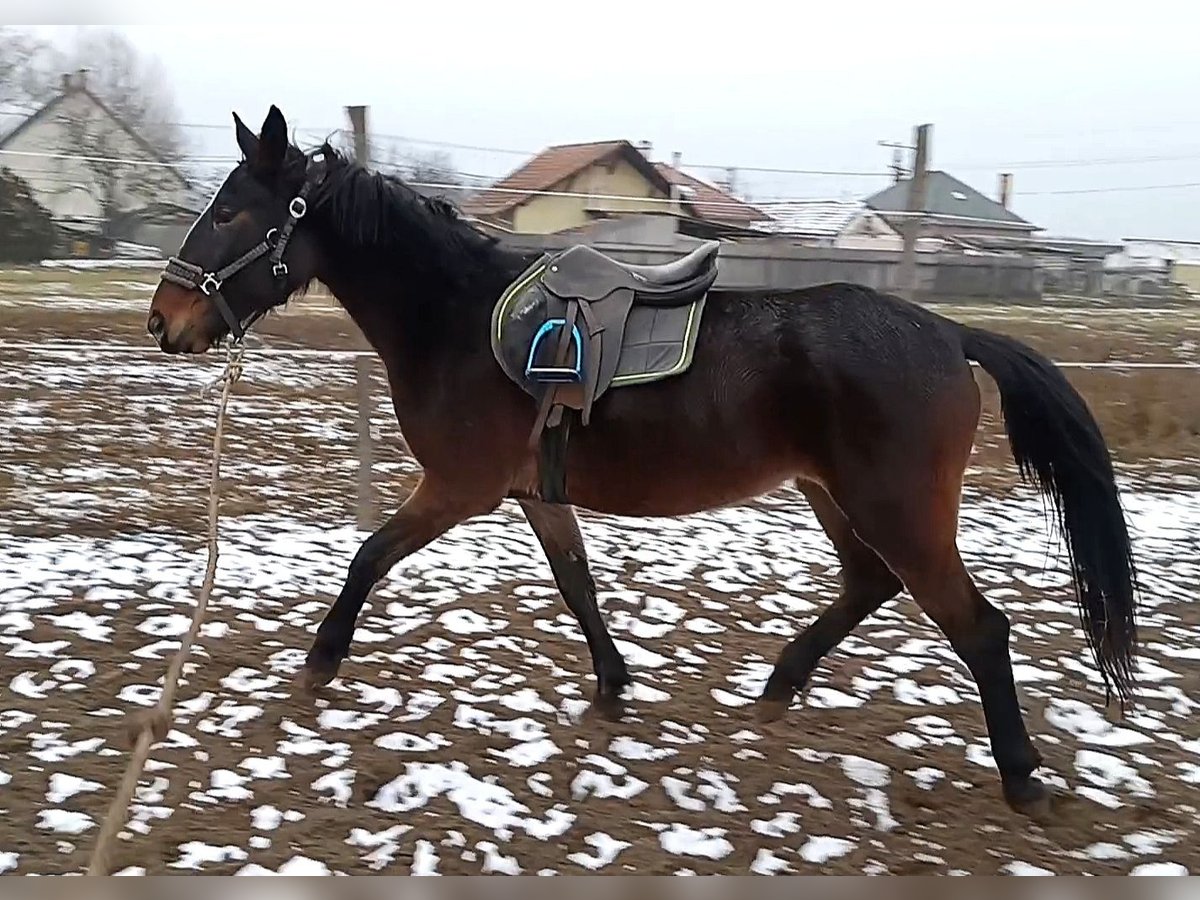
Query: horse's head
{"x": 247, "y": 252}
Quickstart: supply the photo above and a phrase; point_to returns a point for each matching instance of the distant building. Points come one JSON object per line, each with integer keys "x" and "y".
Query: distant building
{"x": 1145, "y": 267}
{"x": 952, "y": 208}
{"x": 849, "y": 224}
{"x": 93, "y": 172}
{"x": 570, "y": 186}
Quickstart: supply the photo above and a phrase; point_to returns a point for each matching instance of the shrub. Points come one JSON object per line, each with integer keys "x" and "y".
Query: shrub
{"x": 27, "y": 233}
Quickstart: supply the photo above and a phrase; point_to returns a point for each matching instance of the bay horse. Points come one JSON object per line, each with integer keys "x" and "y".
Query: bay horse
{"x": 866, "y": 402}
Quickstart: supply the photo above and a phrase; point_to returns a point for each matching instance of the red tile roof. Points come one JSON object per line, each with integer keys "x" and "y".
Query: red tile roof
{"x": 557, "y": 163}
{"x": 542, "y": 172}
{"x": 710, "y": 202}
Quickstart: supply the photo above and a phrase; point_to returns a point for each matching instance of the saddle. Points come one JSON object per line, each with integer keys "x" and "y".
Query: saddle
{"x": 577, "y": 323}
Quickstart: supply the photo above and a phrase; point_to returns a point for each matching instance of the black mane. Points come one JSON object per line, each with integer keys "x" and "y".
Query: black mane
{"x": 373, "y": 212}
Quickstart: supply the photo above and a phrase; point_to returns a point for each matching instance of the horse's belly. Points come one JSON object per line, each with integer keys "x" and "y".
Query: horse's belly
{"x": 668, "y": 477}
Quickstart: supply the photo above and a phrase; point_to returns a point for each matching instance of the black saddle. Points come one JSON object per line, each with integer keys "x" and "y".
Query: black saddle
{"x": 578, "y": 322}
{"x": 591, "y": 275}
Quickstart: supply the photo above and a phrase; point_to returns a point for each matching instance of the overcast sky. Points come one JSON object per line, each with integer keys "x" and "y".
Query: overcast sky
{"x": 1052, "y": 91}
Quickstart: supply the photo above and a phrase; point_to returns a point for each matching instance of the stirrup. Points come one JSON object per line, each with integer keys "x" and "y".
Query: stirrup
{"x": 555, "y": 374}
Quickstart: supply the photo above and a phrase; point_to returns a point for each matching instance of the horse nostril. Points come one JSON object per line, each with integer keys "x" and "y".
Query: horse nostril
{"x": 157, "y": 326}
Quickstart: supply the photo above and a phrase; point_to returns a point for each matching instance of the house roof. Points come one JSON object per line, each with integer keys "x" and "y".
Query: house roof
{"x": 709, "y": 202}
{"x": 946, "y": 196}
{"x": 552, "y": 166}
{"x": 9, "y": 131}
{"x": 10, "y": 120}
{"x": 818, "y": 218}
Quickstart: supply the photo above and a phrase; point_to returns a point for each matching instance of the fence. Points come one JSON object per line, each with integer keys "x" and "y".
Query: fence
{"x": 366, "y": 507}
{"x": 781, "y": 264}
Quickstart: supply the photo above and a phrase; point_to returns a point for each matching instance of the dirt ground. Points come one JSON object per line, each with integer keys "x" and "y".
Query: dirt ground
{"x": 455, "y": 741}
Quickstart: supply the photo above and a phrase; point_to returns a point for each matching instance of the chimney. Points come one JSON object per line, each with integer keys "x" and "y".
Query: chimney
{"x": 646, "y": 148}
{"x": 676, "y": 160}
{"x": 1005, "y": 192}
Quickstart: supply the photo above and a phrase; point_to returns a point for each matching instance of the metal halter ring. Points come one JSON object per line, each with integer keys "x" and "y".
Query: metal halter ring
{"x": 209, "y": 284}
{"x": 280, "y": 269}
{"x": 298, "y": 207}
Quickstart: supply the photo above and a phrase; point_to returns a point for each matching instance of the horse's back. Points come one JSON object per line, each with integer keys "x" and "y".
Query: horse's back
{"x": 777, "y": 383}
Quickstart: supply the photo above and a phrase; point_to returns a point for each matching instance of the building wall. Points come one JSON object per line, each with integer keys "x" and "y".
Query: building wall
{"x": 544, "y": 214}
{"x": 70, "y": 188}
{"x": 869, "y": 232}
{"x": 1187, "y": 275}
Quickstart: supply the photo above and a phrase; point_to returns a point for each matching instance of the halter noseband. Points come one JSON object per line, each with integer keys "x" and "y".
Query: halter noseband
{"x": 189, "y": 275}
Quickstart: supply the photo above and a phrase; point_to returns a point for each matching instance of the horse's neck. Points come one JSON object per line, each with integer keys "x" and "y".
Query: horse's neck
{"x": 428, "y": 324}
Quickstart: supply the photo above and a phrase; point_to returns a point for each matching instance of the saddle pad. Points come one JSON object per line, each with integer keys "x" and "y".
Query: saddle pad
{"x": 658, "y": 341}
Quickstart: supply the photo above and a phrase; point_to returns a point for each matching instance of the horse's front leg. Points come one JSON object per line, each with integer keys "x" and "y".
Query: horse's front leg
{"x": 557, "y": 530}
{"x": 429, "y": 512}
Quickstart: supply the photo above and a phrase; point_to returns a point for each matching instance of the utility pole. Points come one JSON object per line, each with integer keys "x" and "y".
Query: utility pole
{"x": 366, "y": 511}
{"x": 913, "y": 209}
{"x": 358, "y": 125}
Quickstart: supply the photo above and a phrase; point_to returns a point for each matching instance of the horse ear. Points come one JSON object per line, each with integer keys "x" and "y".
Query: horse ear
{"x": 245, "y": 138}
{"x": 273, "y": 141}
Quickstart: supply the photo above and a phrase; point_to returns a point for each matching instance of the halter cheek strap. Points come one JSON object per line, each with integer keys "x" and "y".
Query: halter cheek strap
{"x": 189, "y": 275}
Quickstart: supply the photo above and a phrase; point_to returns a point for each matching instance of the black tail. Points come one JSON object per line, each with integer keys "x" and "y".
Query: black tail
{"x": 1057, "y": 443}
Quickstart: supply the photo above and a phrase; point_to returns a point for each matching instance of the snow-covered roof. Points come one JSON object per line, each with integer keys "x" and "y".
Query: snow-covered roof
{"x": 819, "y": 218}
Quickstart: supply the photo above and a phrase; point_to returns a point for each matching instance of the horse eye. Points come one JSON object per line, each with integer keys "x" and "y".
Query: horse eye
{"x": 223, "y": 215}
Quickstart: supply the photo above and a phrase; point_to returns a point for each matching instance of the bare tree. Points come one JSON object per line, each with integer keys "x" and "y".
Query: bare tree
{"x": 26, "y": 76}
{"x": 432, "y": 167}
{"x": 134, "y": 87}
{"x": 118, "y": 185}
{"x": 99, "y": 159}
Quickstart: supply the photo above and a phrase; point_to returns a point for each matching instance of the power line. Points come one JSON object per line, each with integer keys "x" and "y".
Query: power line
{"x": 768, "y": 170}
{"x": 1075, "y": 163}
{"x": 16, "y": 109}
{"x": 1112, "y": 190}
{"x": 116, "y": 160}
{"x": 732, "y": 204}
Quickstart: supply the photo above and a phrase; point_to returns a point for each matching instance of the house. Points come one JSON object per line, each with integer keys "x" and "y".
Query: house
{"x": 1143, "y": 267}
{"x": 829, "y": 223}
{"x": 952, "y": 208}
{"x": 90, "y": 169}
{"x": 569, "y": 186}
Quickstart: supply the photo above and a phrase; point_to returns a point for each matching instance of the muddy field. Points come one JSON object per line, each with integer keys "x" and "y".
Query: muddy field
{"x": 454, "y": 742}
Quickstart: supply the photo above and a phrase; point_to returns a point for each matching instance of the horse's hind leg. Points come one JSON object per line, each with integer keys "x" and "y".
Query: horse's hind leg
{"x": 910, "y": 517}
{"x": 867, "y": 583}
{"x": 979, "y": 634}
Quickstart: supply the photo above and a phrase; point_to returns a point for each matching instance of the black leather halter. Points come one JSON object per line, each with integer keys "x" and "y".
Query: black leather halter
{"x": 189, "y": 275}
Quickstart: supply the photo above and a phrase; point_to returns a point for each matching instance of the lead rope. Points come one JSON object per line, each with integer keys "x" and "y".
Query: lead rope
{"x": 151, "y": 726}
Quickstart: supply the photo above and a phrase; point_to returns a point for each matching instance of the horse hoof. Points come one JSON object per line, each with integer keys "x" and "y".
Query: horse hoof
{"x": 317, "y": 674}
{"x": 607, "y": 707}
{"x": 1032, "y": 799}
{"x": 766, "y": 711}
